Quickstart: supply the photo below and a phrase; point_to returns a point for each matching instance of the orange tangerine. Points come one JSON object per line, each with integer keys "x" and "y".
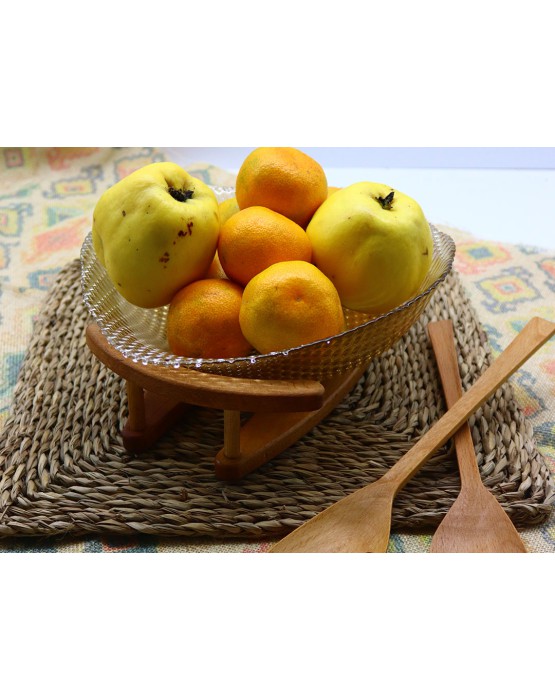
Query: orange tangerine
{"x": 203, "y": 320}
{"x": 257, "y": 237}
{"x": 289, "y": 304}
{"x": 283, "y": 179}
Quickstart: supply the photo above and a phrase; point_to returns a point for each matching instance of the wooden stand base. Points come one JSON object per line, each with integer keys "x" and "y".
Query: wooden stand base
{"x": 283, "y": 411}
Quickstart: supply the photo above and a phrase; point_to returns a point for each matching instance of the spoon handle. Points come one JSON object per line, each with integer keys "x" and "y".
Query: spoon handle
{"x": 443, "y": 342}
{"x": 534, "y": 334}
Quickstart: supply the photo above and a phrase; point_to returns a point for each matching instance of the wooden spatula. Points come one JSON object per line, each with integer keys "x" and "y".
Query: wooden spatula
{"x": 476, "y": 522}
{"x": 361, "y": 522}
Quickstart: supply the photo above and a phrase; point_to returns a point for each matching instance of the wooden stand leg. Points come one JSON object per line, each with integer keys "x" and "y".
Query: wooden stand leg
{"x": 232, "y": 434}
{"x": 136, "y": 405}
{"x": 150, "y": 416}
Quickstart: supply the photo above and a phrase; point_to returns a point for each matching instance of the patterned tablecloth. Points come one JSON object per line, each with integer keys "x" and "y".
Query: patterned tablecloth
{"x": 46, "y": 201}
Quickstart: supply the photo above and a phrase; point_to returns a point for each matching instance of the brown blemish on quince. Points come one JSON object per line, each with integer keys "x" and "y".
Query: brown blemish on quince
{"x": 181, "y": 234}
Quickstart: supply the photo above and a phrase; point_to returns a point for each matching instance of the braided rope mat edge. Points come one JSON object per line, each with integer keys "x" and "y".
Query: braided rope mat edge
{"x": 64, "y": 471}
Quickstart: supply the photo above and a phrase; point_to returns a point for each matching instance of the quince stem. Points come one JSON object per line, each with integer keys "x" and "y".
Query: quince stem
{"x": 386, "y": 202}
{"x": 180, "y": 195}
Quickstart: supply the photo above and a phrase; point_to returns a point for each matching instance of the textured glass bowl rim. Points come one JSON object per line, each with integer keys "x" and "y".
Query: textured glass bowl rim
{"x": 167, "y": 359}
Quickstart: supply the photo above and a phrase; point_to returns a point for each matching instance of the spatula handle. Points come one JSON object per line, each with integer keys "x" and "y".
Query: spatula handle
{"x": 536, "y": 332}
{"x": 442, "y": 337}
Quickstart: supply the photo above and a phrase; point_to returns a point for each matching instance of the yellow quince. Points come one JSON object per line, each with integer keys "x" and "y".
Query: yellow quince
{"x": 374, "y": 243}
{"x": 155, "y": 231}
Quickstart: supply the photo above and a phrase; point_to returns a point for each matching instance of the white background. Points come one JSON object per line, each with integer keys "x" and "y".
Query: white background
{"x": 498, "y": 194}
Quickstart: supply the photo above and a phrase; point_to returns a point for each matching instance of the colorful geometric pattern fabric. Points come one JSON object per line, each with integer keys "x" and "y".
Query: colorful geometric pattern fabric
{"x": 46, "y": 201}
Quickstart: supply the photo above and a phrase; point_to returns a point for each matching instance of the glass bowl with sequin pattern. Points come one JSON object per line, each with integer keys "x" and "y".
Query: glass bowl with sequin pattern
{"x": 140, "y": 334}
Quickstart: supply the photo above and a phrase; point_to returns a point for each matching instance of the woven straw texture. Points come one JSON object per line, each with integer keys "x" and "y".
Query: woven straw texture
{"x": 64, "y": 470}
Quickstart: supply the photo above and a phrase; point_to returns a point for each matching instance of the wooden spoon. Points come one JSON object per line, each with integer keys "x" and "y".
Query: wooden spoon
{"x": 475, "y": 522}
{"x": 361, "y": 521}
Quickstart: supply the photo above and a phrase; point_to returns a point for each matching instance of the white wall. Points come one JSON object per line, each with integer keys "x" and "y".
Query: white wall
{"x": 399, "y": 157}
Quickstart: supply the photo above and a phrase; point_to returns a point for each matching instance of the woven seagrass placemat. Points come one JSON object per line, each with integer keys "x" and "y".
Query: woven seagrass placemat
{"x": 64, "y": 470}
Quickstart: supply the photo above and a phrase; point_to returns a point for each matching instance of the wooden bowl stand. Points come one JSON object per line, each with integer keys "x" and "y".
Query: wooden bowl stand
{"x": 283, "y": 411}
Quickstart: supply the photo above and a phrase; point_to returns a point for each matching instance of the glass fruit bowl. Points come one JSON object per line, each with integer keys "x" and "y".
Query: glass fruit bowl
{"x": 140, "y": 334}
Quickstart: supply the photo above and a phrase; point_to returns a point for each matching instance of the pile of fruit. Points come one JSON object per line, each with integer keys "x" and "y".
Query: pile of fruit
{"x": 269, "y": 269}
